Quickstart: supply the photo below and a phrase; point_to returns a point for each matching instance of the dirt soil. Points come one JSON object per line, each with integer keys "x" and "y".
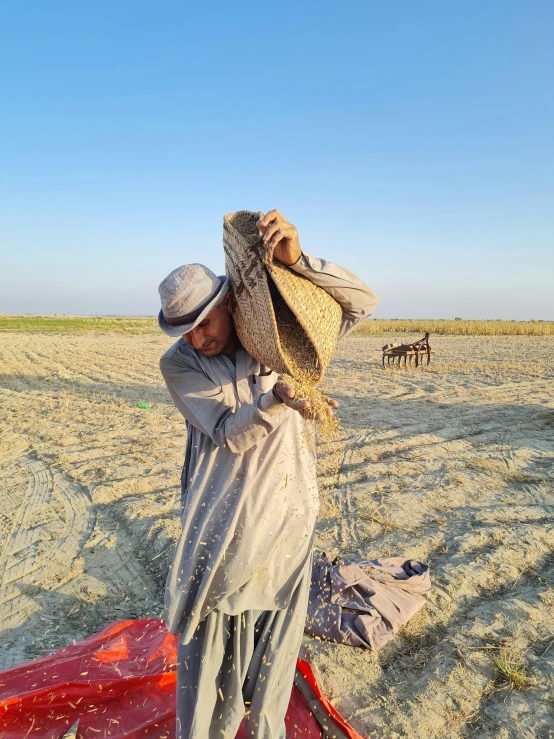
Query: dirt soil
{"x": 450, "y": 464}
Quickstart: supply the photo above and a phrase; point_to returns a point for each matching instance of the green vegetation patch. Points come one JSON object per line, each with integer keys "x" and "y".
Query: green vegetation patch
{"x": 78, "y": 324}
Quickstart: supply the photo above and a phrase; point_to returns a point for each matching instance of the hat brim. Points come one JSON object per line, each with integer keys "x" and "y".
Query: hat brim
{"x": 186, "y": 327}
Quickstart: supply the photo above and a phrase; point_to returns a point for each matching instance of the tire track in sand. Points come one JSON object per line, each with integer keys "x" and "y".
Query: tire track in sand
{"x": 348, "y": 533}
{"x": 34, "y": 549}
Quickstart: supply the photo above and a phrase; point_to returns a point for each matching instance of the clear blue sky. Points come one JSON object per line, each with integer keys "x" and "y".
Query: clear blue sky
{"x": 412, "y": 142}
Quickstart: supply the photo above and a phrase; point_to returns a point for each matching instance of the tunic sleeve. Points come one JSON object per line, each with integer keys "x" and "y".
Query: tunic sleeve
{"x": 357, "y": 300}
{"x": 203, "y": 405}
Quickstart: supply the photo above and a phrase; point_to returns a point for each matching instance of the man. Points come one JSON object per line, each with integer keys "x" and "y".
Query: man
{"x": 238, "y": 587}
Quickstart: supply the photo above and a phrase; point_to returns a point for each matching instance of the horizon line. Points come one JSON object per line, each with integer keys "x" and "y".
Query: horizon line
{"x": 154, "y": 317}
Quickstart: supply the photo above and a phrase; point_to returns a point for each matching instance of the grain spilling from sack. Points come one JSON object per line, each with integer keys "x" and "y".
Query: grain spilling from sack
{"x": 282, "y": 319}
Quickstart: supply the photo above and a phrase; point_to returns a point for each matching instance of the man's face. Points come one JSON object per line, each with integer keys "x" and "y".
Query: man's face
{"x": 215, "y": 332}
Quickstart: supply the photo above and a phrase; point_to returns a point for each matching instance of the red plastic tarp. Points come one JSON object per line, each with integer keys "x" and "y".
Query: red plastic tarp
{"x": 119, "y": 683}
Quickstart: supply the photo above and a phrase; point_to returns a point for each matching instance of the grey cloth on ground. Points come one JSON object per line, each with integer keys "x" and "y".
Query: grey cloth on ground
{"x": 364, "y": 602}
{"x": 232, "y": 659}
{"x": 249, "y": 497}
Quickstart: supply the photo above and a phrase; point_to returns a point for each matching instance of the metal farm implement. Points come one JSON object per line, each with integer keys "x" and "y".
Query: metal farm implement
{"x": 418, "y": 349}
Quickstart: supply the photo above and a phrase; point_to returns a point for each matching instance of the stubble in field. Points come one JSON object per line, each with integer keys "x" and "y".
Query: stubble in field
{"x": 450, "y": 464}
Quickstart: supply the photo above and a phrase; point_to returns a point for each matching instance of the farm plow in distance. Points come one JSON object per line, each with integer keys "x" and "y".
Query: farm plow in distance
{"x": 419, "y": 349}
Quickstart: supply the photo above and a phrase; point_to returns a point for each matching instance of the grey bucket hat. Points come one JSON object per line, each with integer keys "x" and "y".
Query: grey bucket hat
{"x": 188, "y": 294}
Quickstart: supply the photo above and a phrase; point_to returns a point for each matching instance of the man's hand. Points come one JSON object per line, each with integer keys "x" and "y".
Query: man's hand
{"x": 278, "y": 233}
{"x": 287, "y": 396}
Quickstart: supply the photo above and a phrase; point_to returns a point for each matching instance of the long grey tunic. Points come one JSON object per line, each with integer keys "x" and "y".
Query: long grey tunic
{"x": 249, "y": 495}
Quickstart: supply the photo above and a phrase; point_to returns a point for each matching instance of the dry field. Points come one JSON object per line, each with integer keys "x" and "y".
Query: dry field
{"x": 450, "y": 464}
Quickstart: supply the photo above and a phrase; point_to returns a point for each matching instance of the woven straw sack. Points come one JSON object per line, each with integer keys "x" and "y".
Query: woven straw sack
{"x": 282, "y": 319}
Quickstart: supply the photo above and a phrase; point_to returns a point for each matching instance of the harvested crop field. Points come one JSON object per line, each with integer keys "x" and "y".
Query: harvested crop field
{"x": 450, "y": 464}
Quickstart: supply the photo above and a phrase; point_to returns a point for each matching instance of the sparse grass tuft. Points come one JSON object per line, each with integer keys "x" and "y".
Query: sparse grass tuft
{"x": 523, "y": 478}
{"x": 511, "y": 672}
{"x": 495, "y": 466}
{"x": 378, "y": 515}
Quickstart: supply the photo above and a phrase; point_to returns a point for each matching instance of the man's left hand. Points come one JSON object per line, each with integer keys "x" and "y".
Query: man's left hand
{"x": 287, "y": 394}
{"x": 279, "y": 233}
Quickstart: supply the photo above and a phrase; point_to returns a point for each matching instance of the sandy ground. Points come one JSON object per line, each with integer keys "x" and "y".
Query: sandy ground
{"x": 450, "y": 464}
